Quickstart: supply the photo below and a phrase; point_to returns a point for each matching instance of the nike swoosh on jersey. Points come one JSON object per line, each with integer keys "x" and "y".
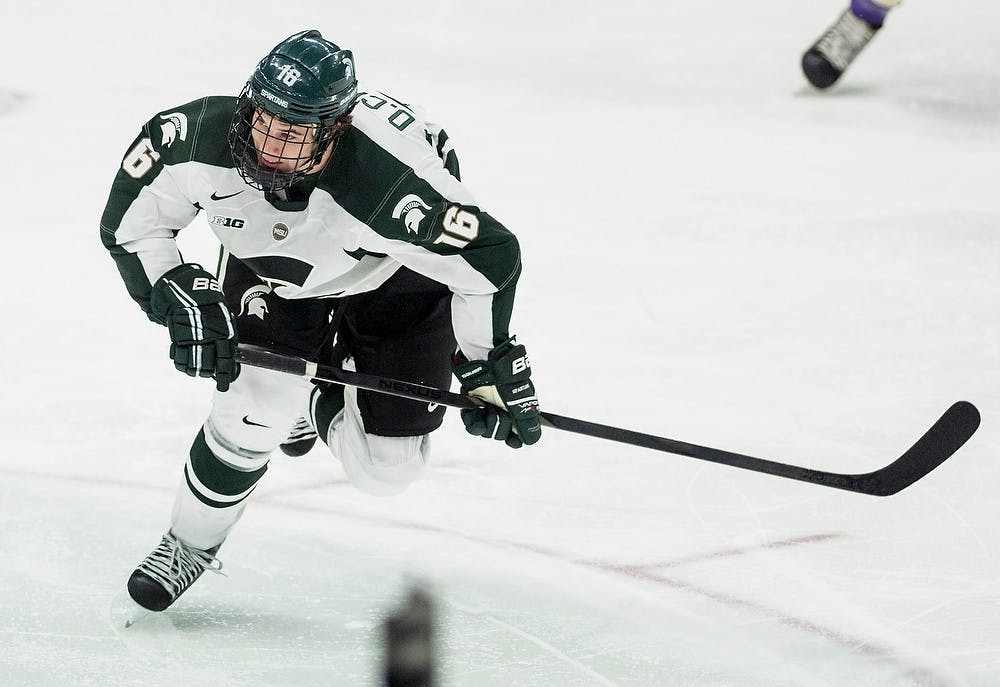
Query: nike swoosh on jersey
{"x": 215, "y": 197}
{"x": 361, "y": 253}
{"x": 247, "y": 421}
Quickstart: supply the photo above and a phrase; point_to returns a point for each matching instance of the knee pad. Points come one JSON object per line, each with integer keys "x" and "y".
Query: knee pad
{"x": 386, "y": 465}
{"x": 257, "y": 412}
{"x": 377, "y": 465}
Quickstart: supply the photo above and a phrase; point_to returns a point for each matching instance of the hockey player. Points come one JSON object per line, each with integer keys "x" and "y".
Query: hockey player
{"x": 348, "y": 238}
{"x": 834, "y": 51}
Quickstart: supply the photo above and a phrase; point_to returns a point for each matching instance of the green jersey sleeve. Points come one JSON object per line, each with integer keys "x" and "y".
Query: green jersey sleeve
{"x": 148, "y": 204}
{"x": 409, "y": 195}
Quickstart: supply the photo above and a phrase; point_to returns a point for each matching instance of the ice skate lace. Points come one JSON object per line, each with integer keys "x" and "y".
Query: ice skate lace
{"x": 176, "y": 566}
{"x": 301, "y": 430}
{"x": 844, "y": 40}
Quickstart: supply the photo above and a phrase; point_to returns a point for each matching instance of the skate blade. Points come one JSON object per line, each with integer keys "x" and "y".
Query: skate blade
{"x": 125, "y": 612}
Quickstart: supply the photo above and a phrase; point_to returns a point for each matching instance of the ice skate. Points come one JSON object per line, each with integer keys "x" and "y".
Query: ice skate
{"x": 168, "y": 571}
{"x": 300, "y": 440}
{"x": 829, "y": 57}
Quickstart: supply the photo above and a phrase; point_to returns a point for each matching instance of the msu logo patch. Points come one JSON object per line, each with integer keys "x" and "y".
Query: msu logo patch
{"x": 253, "y": 302}
{"x": 176, "y": 126}
{"x": 410, "y": 209}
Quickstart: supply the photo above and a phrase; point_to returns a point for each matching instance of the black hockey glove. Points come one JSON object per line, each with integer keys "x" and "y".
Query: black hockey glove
{"x": 503, "y": 381}
{"x": 189, "y": 301}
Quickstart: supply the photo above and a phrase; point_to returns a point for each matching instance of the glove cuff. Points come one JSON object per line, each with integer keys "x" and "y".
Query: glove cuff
{"x": 472, "y": 373}
{"x": 183, "y": 286}
{"x": 509, "y": 362}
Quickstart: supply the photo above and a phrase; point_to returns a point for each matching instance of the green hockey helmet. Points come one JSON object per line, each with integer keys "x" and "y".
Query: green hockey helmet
{"x": 305, "y": 80}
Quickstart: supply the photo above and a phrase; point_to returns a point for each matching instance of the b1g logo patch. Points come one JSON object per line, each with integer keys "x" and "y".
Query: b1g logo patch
{"x": 279, "y": 231}
{"x": 233, "y": 222}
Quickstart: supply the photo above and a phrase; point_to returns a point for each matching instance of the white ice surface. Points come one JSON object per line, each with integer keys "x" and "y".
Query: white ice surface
{"x": 713, "y": 252}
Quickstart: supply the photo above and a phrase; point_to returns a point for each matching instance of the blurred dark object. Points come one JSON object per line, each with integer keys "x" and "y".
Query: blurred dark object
{"x": 409, "y": 650}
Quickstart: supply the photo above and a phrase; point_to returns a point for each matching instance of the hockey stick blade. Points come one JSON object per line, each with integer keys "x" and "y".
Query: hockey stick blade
{"x": 939, "y": 443}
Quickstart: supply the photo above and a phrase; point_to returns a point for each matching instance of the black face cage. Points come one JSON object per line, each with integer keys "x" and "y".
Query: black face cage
{"x": 248, "y": 164}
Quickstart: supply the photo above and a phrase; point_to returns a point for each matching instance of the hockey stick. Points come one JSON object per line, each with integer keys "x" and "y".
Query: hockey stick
{"x": 944, "y": 437}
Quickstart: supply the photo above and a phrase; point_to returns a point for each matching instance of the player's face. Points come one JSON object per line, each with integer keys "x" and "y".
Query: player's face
{"x": 282, "y": 146}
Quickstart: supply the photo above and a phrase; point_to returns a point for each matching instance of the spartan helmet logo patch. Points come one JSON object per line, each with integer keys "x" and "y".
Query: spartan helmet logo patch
{"x": 279, "y": 231}
{"x": 176, "y": 126}
{"x": 410, "y": 209}
{"x": 253, "y": 302}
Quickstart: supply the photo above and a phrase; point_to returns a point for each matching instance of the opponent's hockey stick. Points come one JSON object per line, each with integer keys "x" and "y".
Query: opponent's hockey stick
{"x": 944, "y": 437}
